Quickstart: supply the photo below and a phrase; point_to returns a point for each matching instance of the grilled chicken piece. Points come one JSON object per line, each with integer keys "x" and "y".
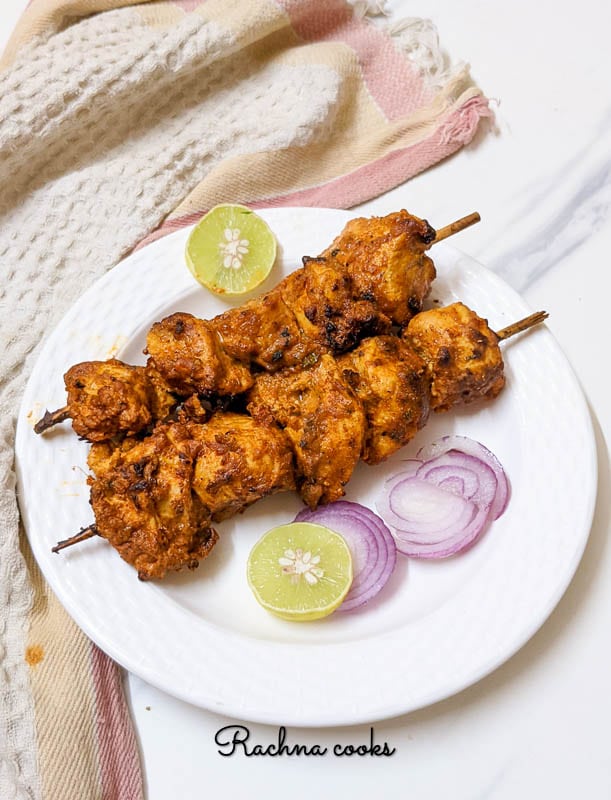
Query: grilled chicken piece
{"x": 322, "y": 297}
{"x": 311, "y": 312}
{"x": 462, "y": 355}
{"x": 385, "y": 259}
{"x": 265, "y": 332}
{"x": 188, "y": 354}
{"x": 393, "y": 384}
{"x": 109, "y": 398}
{"x": 154, "y": 499}
{"x": 144, "y": 505}
{"x": 322, "y": 418}
{"x": 239, "y": 461}
{"x": 163, "y": 401}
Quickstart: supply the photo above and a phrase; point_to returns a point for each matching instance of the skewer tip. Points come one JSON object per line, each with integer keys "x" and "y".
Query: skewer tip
{"x": 457, "y": 226}
{"x": 51, "y": 418}
{"x": 81, "y": 536}
{"x": 522, "y": 325}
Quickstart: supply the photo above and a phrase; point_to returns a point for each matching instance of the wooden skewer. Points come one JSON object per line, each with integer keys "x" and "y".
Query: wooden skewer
{"x": 455, "y": 227}
{"x": 522, "y": 325}
{"x": 51, "y": 418}
{"x": 81, "y": 536}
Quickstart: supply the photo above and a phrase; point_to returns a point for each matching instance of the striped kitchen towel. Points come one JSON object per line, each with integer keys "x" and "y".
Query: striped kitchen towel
{"x": 121, "y": 121}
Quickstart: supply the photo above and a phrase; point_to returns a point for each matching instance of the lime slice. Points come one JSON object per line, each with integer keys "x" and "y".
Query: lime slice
{"x": 231, "y": 250}
{"x": 300, "y": 571}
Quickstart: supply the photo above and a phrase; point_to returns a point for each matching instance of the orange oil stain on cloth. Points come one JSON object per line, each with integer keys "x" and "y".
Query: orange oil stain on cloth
{"x": 34, "y": 654}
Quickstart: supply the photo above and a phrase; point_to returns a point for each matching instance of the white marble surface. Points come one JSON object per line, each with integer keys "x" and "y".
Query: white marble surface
{"x": 538, "y": 726}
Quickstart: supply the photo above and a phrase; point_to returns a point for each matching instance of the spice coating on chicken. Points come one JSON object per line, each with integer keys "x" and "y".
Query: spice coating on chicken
{"x": 265, "y": 332}
{"x": 392, "y": 382}
{"x": 373, "y": 275}
{"x": 188, "y": 354}
{"x": 366, "y": 403}
{"x": 323, "y": 299}
{"x": 462, "y": 353}
{"x": 108, "y": 398}
{"x": 324, "y": 421}
{"x": 239, "y": 461}
{"x": 163, "y": 401}
{"x": 385, "y": 259}
{"x": 144, "y": 504}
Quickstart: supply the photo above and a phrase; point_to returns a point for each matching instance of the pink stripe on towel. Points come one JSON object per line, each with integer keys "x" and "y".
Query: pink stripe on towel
{"x": 394, "y": 84}
{"x": 394, "y": 168}
{"x": 120, "y": 773}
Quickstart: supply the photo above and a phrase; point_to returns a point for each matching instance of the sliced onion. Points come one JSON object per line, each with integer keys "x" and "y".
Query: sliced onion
{"x": 460, "y": 473}
{"x": 441, "y": 501}
{"x": 477, "y": 450}
{"x": 432, "y": 522}
{"x": 373, "y": 549}
{"x": 387, "y": 512}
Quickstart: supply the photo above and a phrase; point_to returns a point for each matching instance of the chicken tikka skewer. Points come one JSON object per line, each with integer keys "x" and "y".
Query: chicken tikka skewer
{"x": 373, "y": 276}
{"x": 155, "y": 499}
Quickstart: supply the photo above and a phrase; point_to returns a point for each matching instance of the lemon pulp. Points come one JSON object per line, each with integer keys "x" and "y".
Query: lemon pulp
{"x": 231, "y": 250}
{"x": 300, "y": 571}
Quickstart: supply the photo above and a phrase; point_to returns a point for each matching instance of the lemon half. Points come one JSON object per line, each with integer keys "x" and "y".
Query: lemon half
{"x": 300, "y": 571}
{"x": 231, "y": 250}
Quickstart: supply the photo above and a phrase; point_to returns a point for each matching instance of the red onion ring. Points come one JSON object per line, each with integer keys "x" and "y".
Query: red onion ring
{"x": 428, "y": 521}
{"x": 477, "y": 450}
{"x": 458, "y": 472}
{"x": 373, "y": 548}
{"x": 441, "y": 502}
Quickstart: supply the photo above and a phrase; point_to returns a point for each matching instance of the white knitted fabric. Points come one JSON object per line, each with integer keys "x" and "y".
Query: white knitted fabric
{"x": 103, "y": 130}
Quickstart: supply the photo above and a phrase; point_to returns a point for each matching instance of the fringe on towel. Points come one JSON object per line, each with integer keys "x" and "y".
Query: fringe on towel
{"x": 417, "y": 39}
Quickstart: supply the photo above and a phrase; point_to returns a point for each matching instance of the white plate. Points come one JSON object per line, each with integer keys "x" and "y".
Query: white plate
{"x": 436, "y": 628}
